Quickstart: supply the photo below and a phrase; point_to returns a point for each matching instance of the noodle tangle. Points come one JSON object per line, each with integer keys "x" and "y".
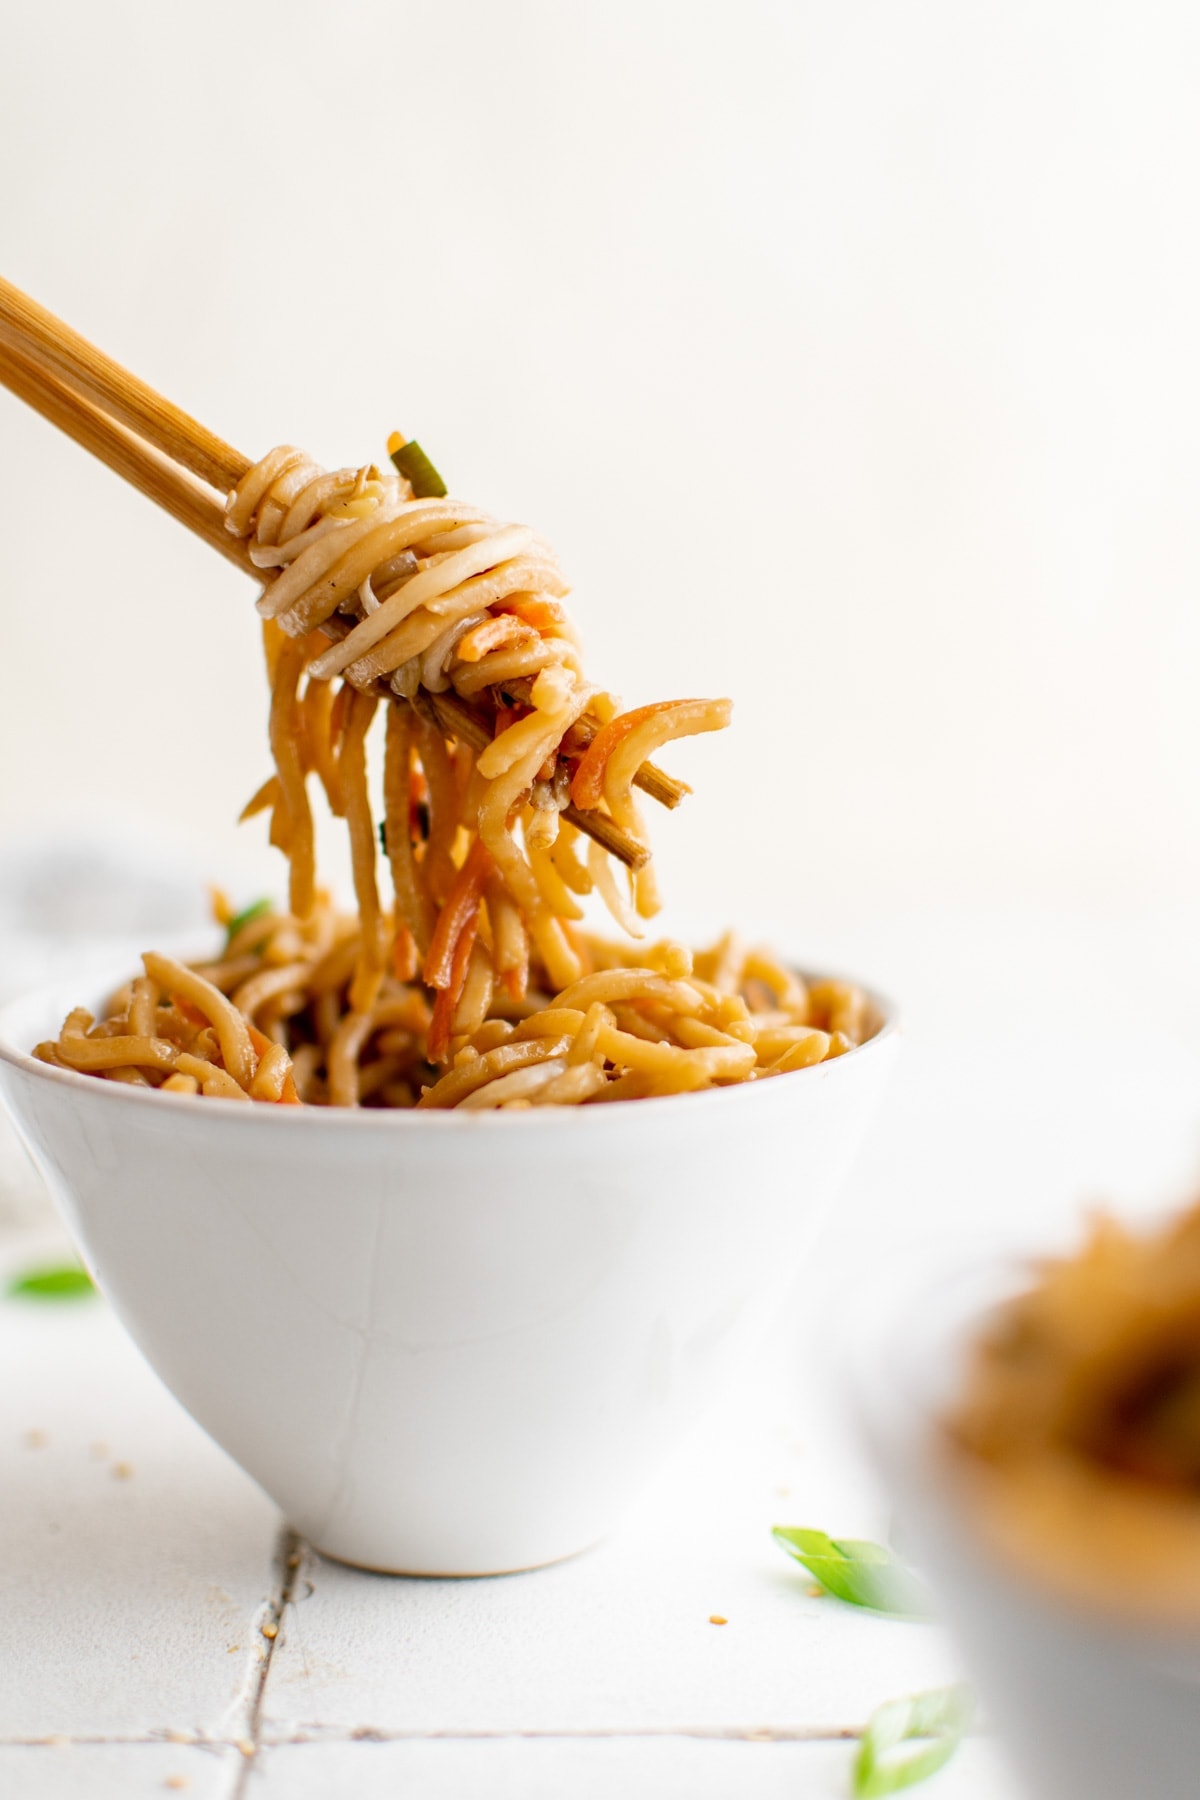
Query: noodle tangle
{"x": 467, "y": 981}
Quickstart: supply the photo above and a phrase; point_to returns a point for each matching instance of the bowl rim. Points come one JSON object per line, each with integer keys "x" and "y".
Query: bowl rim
{"x": 382, "y": 1118}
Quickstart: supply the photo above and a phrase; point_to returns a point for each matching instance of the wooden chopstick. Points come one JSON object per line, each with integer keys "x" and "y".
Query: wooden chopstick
{"x": 153, "y": 444}
{"x": 456, "y": 719}
{"x": 38, "y": 336}
{"x": 650, "y": 778}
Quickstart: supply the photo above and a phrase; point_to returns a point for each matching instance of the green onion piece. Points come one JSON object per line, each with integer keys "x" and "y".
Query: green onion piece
{"x": 257, "y": 911}
{"x": 67, "y": 1283}
{"x": 861, "y": 1573}
{"x": 417, "y": 469}
{"x": 941, "y": 1716}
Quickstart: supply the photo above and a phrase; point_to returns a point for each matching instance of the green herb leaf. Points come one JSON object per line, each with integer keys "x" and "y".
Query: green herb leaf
{"x": 417, "y": 469}
{"x": 941, "y": 1716}
{"x": 861, "y": 1573}
{"x": 258, "y": 910}
{"x": 383, "y": 836}
{"x": 67, "y": 1283}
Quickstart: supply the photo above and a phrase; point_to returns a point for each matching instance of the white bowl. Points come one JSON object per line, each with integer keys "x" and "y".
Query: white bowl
{"x": 1093, "y": 1703}
{"x": 444, "y": 1343}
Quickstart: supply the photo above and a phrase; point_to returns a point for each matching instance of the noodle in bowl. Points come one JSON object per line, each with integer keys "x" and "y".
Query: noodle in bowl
{"x": 445, "y": 1342}
{"x": 358, "y": 1187}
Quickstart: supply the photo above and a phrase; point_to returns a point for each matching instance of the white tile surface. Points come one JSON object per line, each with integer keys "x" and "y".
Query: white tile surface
{"x": 620, "y": 1637}
{"x": 147, "y": 1771}
{"x": 597, "y": 1769}
{"x": 134, "y": 1555}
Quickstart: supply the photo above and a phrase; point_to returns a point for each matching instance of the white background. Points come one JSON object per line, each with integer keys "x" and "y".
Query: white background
{"x": 847, "y": 352}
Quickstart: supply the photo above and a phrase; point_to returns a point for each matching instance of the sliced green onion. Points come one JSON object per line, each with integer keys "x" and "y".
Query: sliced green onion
{"x": 941, "y": 1716}
{"x": 257, "y": 911}
{"x": 418, "y": 471}
{"x": 68, "y": 1282}
{"x": 859, "y": 1572}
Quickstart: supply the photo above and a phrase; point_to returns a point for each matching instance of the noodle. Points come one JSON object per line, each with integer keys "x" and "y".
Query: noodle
{"x": 472, "y": 985}
{"x": 1075, "y": 1430}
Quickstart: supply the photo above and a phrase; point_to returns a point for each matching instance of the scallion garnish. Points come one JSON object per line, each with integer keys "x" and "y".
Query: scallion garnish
{"x": 416, "y": 468}
{"x": 854, "y": 1570}
{"x": 941, "y": 1716}
{"x": 68, "y": 1282}
{"x": 258, "y": 910}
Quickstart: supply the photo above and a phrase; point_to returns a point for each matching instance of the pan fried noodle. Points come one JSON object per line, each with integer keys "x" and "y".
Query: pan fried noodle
{"x": 1081, "y": 1421}
{"x": 508, "y": 793}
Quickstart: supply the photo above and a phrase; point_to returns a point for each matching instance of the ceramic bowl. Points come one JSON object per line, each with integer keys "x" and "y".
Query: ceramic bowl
{"x": 444, "y": 1343}
{"x": 1093, "y": 1704}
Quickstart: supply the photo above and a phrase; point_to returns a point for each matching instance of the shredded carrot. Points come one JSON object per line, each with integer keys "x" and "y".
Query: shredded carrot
{"x": 501, "y": 628}
{"x": 515, "y": 982}
{"x": 445, "y": 1004}
{"x": 587, "y": 787}
{"x": 540, "y": 613}
{"x": 461, "y": 909}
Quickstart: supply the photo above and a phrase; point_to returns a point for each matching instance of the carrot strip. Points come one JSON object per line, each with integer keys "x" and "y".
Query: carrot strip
{"x": 501, "y": 628}
{"x": 446, "y": 1004}
{"x": 461, "y": 909}
{"x": 587, "y": 786}
{"x": 542, "y": 614}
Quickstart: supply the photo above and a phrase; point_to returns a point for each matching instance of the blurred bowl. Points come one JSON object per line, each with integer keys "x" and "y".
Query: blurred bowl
{"x": 444, "y": 1343}
{"x": 1093, "y": 1702}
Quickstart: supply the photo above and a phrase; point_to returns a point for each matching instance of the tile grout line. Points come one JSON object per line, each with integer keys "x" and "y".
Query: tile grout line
{"x": 716, "y": 1734}
{"x": 290, "y": 1551}
{"x": 367, "y": 1734}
